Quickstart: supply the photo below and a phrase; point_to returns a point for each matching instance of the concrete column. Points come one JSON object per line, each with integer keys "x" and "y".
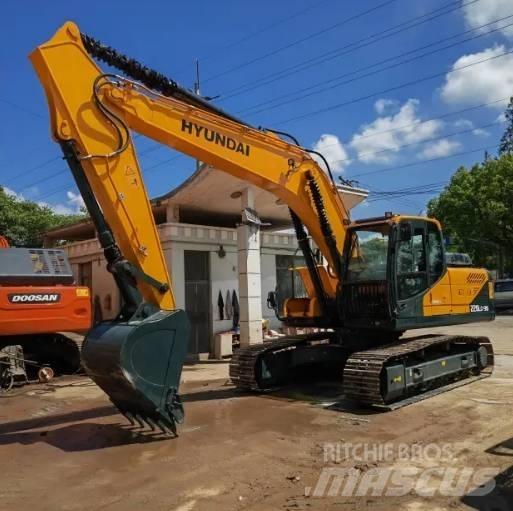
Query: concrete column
{"x": 248, "y": 245}
{"x": 172, "y": 212}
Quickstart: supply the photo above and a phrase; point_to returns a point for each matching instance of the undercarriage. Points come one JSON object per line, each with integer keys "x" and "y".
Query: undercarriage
{"x": 386, "y": 375}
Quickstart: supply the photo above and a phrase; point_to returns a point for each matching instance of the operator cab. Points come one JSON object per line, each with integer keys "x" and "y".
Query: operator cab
{"x": 395, "y": 277}
{"x": 390, "y": 263}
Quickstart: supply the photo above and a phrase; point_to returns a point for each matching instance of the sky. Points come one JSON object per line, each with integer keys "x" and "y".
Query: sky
{"x": 397, "y": 94}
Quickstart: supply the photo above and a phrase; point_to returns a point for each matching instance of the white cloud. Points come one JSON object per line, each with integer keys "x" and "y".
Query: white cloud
{"x": 384, "y": 104}
{"x": 72, "y": 206}
{"x": 333, "y": 150}
{"x": 60, "y": 209}
{"x": 483, "y": 83}
{"x": 440, "y": 148}
{"x": 75, "y": 199}
{"x": 501, "y": 117}
{"x": 12, "y": 193}
{"x": 463, "y": 123}
{"x": 381, "y": 140}
{"x": 486, "y": 11}
{"x": 466, "y": 124}
{"x": 480, "y": 132}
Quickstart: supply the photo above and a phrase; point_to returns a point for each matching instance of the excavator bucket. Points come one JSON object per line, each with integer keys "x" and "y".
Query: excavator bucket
{"x": 138, "y": 364}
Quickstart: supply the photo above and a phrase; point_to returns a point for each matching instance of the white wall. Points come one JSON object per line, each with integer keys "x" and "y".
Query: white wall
{"x": 103, "y": 284}
{"x": 268, "y": 275}
{"x": 105, "y": 287}
{"x": 224, "y": 277}
{"x": 223, "y": 271}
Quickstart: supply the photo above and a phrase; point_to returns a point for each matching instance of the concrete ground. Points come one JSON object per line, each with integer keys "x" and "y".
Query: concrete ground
{"x": 64, "y": 447}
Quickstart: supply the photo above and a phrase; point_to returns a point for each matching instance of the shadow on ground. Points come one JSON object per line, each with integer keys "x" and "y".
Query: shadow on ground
{"x": 500, "y": 498}
{"x": 77, "y": 431}
{"x": 327, "y": 395}
{"x": 499, "y": 490}
{"x": 48, "y": 421}
{"x": 85, "y": 436}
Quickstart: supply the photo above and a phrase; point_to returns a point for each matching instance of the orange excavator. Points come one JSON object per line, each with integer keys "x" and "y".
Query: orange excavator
{"x": 38, "y": 302}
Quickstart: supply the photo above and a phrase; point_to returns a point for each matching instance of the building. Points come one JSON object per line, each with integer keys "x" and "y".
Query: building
{"x": 209, "y": 254}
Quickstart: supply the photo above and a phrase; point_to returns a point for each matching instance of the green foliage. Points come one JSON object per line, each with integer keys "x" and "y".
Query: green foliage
{"x": 506, "y": 145}
{"x": 476, "y": 209}
{"x": 23, "y": 222}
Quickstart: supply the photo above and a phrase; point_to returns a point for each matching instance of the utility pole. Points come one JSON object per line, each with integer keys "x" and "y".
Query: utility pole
{"x": 197, "y": 82}
{"x": 198, "y": 93}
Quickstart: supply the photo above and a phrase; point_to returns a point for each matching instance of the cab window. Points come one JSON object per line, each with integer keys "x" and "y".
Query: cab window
{"x": 411, "y": 265}
{"x": 435, "y": 252}
{"x": 369, "y": 254}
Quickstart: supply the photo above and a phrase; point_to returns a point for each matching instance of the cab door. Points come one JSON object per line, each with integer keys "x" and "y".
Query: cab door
{"x": 411, "y": 271}
{"x": 438, "y": 300}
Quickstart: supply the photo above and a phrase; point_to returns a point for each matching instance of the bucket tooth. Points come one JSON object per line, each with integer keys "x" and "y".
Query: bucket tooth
{"x": 139, "y": 421}
{"x": 130, "y": 418}
{"x": 151, "y": 423}
{"x": 147, "y": 423}
{"x": 168, "y": 428}
{"x": 162, "y": 427}
{"x": 138, "y": 364}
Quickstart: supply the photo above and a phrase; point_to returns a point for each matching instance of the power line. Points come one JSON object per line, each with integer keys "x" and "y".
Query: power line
{"x": 53, "y": 192}
{"x": 158, "y": 146}
{"x": 64, "y": 170}
{"x": 218, "y": 52}
{"x": 401, "y": 200}
{"x": 301, "y": 40}
{"x": 32, "y": 169}
{"x": 420, "y": 123}
{"x": 390, "y": 89}
{"x": 46, "y": 178}
{"x": 66, "y": 186}
{"x": 311, "y": 35}
{"x": 413, "y": 164}
{"x": 372, "y": 73}
{"x": 402, "y": 195}
{"x": 347, "y": 48}
{"x": 381, "y": 195}
{"x": 371, "y": 135}
{"x": 22, "y": 108}
{"x": 169, "y": 160}
{"x": 411, "y": 190}
{"x": 368, "y": 153}
{"x": 425, "y": 141}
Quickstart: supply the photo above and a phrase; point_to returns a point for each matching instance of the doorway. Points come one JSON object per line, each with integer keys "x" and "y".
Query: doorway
{"x": 197, "y": 299}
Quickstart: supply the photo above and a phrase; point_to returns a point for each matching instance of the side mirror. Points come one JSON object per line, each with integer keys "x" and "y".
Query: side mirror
{"x": 272, "y": 302}
{"x": 405, "y": 231}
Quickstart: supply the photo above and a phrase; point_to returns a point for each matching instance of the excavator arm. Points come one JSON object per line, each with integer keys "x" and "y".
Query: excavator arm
{"x": 137, "y": 358}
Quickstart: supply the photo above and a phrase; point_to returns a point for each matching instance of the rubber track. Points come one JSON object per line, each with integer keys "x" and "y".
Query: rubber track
{"x": 363, "y": 370}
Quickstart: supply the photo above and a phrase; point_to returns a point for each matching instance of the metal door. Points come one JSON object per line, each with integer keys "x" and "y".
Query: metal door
{"x": 197, "y": 299}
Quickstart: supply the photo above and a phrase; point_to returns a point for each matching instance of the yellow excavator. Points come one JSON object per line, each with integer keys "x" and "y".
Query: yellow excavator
{"x": 378, "y": 277}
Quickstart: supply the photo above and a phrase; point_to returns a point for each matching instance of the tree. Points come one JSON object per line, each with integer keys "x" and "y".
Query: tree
{"x": 476, "y": 209}
{"x": 506, "y": 145}
{"x": 23, "y": 222}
